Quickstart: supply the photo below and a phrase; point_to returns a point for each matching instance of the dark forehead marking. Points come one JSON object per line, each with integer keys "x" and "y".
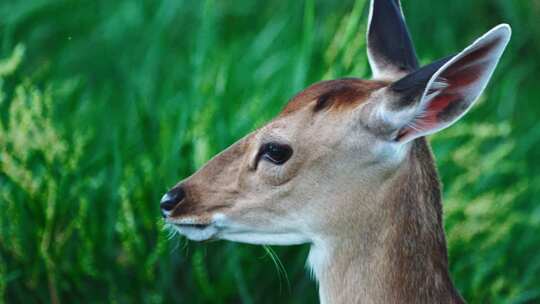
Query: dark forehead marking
{"x": 333, "y": 94}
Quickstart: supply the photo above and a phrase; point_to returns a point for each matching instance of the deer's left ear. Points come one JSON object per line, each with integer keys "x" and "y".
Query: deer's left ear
{"x": 435, "y": 96}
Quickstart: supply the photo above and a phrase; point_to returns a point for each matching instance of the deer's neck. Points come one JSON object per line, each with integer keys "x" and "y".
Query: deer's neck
{"x": 400, "y": 256}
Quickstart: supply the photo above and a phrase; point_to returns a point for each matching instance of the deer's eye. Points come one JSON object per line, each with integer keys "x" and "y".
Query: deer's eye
{"x": 276, "y": 153}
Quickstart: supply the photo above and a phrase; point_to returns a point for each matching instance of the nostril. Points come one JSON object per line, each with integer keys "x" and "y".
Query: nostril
{"x": 171, "y": 199}
{"x": 167, "y": 205}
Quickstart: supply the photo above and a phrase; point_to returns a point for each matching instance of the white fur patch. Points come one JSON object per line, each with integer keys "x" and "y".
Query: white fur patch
{"x": 193, "y": 233}
{"x": 196, "y": 234}
{"x": 391, "y": 118}
{"x": 236, "y": 232}
{"x": 317, "y": 260}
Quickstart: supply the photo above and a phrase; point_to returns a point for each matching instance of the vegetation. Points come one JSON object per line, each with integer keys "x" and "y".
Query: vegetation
{"x": 106, "y": 104}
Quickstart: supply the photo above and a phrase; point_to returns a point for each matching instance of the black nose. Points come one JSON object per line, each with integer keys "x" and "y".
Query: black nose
{"x": 171, "y": 199}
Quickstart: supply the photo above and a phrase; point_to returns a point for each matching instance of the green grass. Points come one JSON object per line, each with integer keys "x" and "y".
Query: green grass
{"x": 106, "y": 104}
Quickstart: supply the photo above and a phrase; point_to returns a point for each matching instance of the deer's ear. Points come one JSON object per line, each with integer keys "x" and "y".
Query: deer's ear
{"x": 435, "y": 96}
{"x": 389, "y": 46}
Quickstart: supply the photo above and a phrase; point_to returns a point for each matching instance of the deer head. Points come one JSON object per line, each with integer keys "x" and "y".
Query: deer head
{"x": 324, "y": 170}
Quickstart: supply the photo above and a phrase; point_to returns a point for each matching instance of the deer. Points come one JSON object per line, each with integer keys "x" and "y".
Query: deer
{"x": 346, "y": 168}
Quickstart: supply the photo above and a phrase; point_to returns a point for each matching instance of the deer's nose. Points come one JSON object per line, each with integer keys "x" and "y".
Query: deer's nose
{"x": 171, "y": 199}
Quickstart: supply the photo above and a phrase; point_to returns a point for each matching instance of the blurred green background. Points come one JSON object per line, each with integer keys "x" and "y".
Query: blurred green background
{"x": 106, "y": 104}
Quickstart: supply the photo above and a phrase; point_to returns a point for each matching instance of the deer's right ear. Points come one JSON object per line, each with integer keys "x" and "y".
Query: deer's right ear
{"x": 436, "y": 95}
{"x": 389, "y": 46}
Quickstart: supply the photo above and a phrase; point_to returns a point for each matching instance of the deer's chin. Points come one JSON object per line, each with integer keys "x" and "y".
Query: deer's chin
{"x": 193, "y": 228}
{"x": 196, "y": 232}
{"x": 265, "y": 238}
{"x": 237, "y": 232}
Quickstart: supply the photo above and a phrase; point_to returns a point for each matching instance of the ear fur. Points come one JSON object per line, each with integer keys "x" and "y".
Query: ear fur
{"x": 437, "y": 95}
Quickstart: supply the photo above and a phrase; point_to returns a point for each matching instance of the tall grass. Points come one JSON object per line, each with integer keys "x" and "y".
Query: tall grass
{"x": 106, "y": 104}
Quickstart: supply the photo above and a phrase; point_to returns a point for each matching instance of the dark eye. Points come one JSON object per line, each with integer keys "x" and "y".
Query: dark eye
{"x": 276, "y": 153}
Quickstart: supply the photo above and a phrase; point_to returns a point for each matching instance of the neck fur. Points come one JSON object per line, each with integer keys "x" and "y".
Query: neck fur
{"x": 401, "y": 257}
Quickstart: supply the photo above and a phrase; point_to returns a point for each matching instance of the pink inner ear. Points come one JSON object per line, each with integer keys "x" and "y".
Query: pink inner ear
{"x": 429, "y": 119}
{"x": 459, "y": 77}
{"x": 468, "y": 69}
{"x": 436, "y": 106}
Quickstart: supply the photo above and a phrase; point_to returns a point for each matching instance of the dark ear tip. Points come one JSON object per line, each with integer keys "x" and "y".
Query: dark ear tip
{"x": 390, "y": 47}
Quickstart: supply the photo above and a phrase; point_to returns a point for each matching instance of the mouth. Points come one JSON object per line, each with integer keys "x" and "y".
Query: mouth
{"x": 194, "y": 226}
{"x": 188, "y": 222}
{"x": 193, "y": 229}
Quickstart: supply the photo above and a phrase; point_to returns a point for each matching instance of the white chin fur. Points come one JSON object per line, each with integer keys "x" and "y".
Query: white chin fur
{"x": 265, "y": 238}
{"x": 222, "y": 228}
{"x": 196, "y": 234}
{"x": 241, "y": 233}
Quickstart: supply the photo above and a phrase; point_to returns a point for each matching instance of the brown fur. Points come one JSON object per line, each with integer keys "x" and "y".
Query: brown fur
{"x": 416, "y": 254}
{"x": 214, "y": 177}
{"x": 399, "y": 255}
{"x": 337, "y": 94}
